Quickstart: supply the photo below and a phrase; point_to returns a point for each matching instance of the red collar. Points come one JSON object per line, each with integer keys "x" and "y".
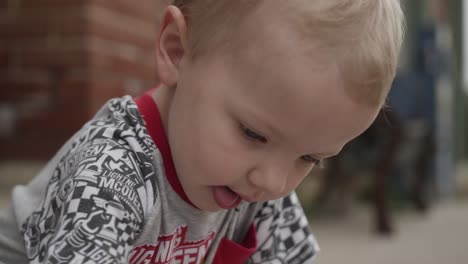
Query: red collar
{"x": 150, "y": 113}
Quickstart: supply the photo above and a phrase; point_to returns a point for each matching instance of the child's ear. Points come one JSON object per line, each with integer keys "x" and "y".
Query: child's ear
{"x": 171, "y": 45}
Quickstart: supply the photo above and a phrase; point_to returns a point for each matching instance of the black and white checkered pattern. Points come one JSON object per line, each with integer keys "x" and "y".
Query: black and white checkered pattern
{"x": 283, "y": 233}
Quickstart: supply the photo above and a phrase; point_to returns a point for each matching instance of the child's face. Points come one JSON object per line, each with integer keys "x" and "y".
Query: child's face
{"x": 252, "y": 126}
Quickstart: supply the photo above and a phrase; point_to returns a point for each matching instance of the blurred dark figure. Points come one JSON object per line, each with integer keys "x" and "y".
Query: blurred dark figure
{"x": 395, "y": 156}
{"x": 371, "y": 154}
{"x": 389, "y": 147}
{"x": 413, "y": 100}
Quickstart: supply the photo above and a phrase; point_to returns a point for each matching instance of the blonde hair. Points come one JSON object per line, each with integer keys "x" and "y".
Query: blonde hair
{"x": 365, "y": 36}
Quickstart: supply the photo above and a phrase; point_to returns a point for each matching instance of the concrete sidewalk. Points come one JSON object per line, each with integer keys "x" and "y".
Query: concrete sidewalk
{"x": 441, "y": 236}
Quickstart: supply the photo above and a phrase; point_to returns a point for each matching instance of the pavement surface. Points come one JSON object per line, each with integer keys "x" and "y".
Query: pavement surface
{"x": 441, "y": 236}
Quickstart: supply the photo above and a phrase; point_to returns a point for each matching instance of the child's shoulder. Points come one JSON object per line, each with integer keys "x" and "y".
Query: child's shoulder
{"x": 105, "y": 172}
{"x": 119, "y": 125}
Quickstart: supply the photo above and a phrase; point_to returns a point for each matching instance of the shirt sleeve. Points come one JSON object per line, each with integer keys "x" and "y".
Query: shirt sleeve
{"x": 93, "y": 208}
{"x": 283, "y": 233}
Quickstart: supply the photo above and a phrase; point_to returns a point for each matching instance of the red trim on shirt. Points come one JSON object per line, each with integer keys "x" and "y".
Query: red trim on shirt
{"x": 229, "y": 252}
{"x": 150, "y": 113}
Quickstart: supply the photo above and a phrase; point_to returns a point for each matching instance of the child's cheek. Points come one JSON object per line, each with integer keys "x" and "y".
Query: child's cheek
{"x": 222, "y": 156}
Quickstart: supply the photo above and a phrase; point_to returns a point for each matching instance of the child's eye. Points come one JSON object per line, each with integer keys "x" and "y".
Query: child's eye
{"x": 251, "y": 135}
{"x": 310, "y": 159}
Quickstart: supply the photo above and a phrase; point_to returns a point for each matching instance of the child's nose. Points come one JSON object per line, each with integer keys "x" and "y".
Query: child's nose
{"x": 270, "y": 179}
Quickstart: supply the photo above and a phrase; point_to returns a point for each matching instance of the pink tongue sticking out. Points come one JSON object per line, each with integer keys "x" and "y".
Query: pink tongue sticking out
{"x": 225, "y": 198}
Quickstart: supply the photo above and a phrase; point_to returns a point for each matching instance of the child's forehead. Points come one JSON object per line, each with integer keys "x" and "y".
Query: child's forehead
{"x": 301, "y": 113}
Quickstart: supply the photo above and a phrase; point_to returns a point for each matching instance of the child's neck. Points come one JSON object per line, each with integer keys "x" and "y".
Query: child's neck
{"x": 162, "y": 96}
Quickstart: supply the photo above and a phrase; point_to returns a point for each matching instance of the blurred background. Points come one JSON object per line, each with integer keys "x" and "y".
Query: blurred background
{"x": 396, "y": 194}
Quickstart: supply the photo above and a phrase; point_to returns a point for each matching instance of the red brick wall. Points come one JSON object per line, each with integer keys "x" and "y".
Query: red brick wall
{"x": 60, "y": 60}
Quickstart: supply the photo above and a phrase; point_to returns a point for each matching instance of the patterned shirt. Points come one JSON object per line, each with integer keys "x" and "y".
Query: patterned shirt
{"x": 111, "y": 195}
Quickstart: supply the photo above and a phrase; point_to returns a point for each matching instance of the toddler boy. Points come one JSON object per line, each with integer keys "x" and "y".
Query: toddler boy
{"x": 203, "y": 168}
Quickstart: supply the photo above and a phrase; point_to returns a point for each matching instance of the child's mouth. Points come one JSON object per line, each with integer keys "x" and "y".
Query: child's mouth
{"x": 225, "y": 197}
